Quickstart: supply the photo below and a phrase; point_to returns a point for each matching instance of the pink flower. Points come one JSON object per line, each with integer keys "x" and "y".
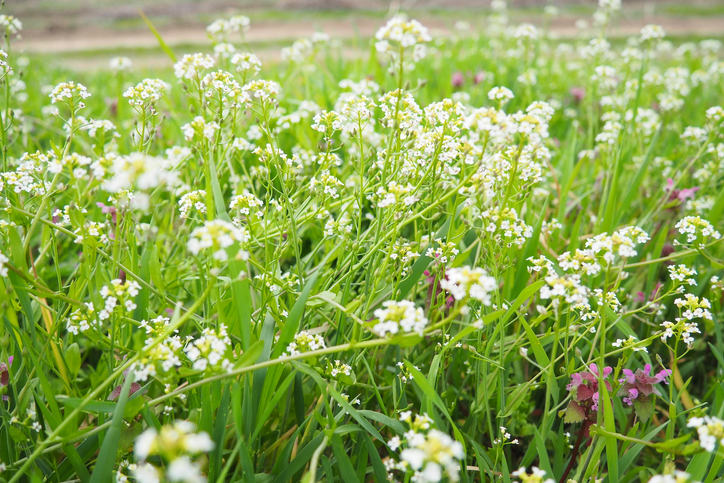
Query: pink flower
{"x": 457, "y": 80}
{"x": 5, "y": 375}
{"x": 578, "y": 93}
{"x": 639, "y": 385}
{"x": 585, "y": 385}
{"x": 108, "y": 209}
{"x": 682, "y": 194}
{"x": 479, "y": 77}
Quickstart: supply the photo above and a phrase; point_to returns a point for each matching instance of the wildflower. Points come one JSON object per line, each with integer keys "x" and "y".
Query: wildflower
{"x": 500, "y": 94}
{"x": 505, "y": 226}
{"x": 200, "y": 130}
{"x": 676, "y": 477}
{"x": 174, "y": 444}
{"x": 397, "y": 317}
{"x": 402, "y": 32}
{"x": 118, "y": 291}
{"x": 695, "y": 307}
{"x": 466, "y": 282}
{"x": 192, "y": 200}
{"x": 584, "y": 390}
{"x": 338, "y": 369}
{"x": 5, "y": 375}
{"x": 681, "y": 272}
{"x": 3, "y": 265}
{"x": 120, "y": 64}
{"x": 70, "y": 93}
{"x": 220, "y": 29}
{"x": 141, "y": 171}
{"x": 431, "y": 454}
{"x": 221, "y": 237}
{"x": 212, "y": 350}
{"x": 457, "y": 80}
{"x": 695, "y": 227}
{"x": 81, "y": 319}
{"x": 247, "y": 204}
{"x": 537, "y": 475}
{"x": 191, "y": 65}
{"x": 652, "y": 32}
{"x": 395, "y": 194}
{"x": 304, "y": 342}
{"x": 11, "y": 24}
{"x": 637, "y": 387}
{"x": 629, "y": 343}
{"x": 246, "y": 63}
{"x": 263, "y": 90}
{"x": 147, "y": 92}
{"x": 710, "y": 429}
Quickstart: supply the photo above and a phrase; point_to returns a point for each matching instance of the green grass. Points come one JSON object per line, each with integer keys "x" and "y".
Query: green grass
{"x": 379, "y": 275}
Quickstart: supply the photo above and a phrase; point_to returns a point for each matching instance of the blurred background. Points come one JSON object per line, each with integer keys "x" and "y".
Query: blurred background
{"x": 84, "y": 34}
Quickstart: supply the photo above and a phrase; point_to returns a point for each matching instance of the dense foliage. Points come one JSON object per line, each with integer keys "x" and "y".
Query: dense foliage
{"x": 444, "y": 259}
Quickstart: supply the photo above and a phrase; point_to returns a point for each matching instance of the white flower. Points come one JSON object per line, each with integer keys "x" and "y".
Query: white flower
{"x": 466, "y": 282}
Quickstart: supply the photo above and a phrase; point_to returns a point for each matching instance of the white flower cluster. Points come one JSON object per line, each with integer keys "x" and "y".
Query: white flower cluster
{"x": 537, "y": 475}
{"x": 397, "y": 317}
{"x": 682, "y": 329}
{"x": 79, "y": 320}
{"x": 120, "y": 64}
{"x": 212, "y": 350}
{"x": 430, "y": 454}
{"x": 505, "y": 226}
{"x": 200, "y": 130}
{"x": 191, "y": 65}
{"x": 118, "y": 291}
{"x": 304, "y": 342}
{"x": 219, "y": 30}
{"x": 695, "y": 227}
{"x": 11, "y": 24}
{"x": 175, "y": 444}
{"x": 163, "y": 355}
{"x": 247, "y": 204}
{"x": 630, "y": 343}
{"x": 467, "y": 282}
{"x": 69, "y": 93}
{"x": 193, "y": 200}
{"x": 263, "y": 90}
{"x": 219, "y": 236}
{"x": 399, "y": 34}
{"x": 677, "y": 477}
{"x": 147, "y": 92}
{"x": 710, "y": 429}
{"x": 679, "y": 273}
{"x": 246, "y": 63}
{"x": 339, "y": 368}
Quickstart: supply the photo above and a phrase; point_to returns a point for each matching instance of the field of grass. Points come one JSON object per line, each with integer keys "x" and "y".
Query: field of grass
{"x": 489, "y": 255}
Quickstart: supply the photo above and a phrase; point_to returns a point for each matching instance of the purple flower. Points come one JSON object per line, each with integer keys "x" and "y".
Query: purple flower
{"x": 578, "y": 93}
{"x": 585, "y": 385}
{"x": 682, "y": 194}
{"x": 457, "y": 80}
{"x": 108, "y": 209}
{"x": 117, "y": 391}
{"x": 479, "y": 77}
{"x": 640, "y": 385}
{"x": 5, "y": 375}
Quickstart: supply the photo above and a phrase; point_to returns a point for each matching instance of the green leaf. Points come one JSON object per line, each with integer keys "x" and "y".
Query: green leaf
{"x": 72, "y": 358}
{"x": 155, "y": 33}
{"x": 346, "y": 470}
{"x": 574, "y": 413}
{"x": 106, "y": 462}
{"x": 644, "y": 407}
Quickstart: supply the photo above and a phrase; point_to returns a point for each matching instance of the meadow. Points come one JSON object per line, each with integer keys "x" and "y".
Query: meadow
{"x": 488, "y": 256}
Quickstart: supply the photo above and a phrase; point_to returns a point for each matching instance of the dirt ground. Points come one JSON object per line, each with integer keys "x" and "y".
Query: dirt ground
{"x": 85, "y": 36}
